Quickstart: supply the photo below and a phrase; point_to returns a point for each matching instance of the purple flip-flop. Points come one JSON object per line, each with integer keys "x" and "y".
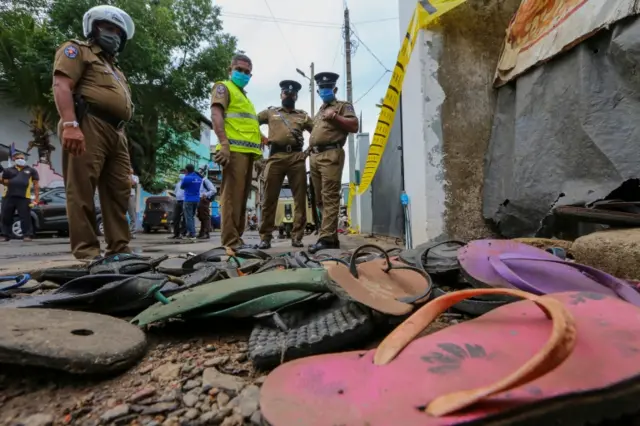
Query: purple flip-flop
{"x": 507, "y": 263}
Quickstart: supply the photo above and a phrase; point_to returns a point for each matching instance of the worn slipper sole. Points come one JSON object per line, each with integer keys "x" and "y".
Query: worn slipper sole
{"x": 75, "y": 342}
{"x": 336, "y": 326}
{"x": 381, "y": 284}
{"x": 219, "y": 295}
{"x": 566, "y": 359}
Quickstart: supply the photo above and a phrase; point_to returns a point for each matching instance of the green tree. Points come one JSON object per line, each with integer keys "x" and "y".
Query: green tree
{"x": 25, "y": 65}
{"x": 178, "y": 50}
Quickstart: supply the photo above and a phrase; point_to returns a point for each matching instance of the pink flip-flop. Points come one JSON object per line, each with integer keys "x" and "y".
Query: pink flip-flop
{"x": 566, "y": 358}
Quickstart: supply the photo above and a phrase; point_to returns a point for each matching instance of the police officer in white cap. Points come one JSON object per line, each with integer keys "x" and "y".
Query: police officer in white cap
{"x": 94, "y": 103}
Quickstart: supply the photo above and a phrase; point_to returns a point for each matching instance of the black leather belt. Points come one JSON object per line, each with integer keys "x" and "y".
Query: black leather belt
{"x": 316, "y": 149}
{"x": 106, "y": 117}
{"x": 274, "y": 149}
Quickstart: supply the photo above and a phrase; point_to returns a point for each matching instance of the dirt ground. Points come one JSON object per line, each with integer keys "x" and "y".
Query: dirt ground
{"x": 194, "y": 373}
{"x": 179, "y": 382}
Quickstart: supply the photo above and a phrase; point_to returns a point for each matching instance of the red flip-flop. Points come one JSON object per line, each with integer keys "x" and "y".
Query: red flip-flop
{"x": 565, "y": 358}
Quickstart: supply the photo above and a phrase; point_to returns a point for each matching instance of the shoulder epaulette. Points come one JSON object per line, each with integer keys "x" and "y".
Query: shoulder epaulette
{"x": 80, "y": 42}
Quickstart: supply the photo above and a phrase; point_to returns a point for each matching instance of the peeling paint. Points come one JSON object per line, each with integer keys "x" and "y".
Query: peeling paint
{"x": 432, "y": 125}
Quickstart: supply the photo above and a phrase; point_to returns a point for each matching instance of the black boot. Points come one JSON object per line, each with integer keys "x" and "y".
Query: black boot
{"x": 264, "y": 245}
{"x": 323, "y": 244}
{"x": 296, "y": 243}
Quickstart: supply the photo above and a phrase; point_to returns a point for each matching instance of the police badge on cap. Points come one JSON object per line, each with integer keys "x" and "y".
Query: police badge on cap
{"x": 290, "y": 86}
{"x": 326, "y": 79}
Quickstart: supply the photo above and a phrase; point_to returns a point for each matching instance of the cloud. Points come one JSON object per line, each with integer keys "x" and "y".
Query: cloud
{"x": 311, "y": 31}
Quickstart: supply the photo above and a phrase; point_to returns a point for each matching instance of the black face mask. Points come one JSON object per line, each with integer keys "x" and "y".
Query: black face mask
{"x": 109, "y": 41}
{"x": 289, "y": 103}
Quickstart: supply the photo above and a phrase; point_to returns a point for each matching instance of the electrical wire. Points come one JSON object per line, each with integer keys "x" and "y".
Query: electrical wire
{"x": 338, "y": 51}
{"x": 353, "y": 30}
{"x": 281, "y": 33}
{"x": 375, "y": 21}
{"x": 263, "y": 18}
{"x": 299, "y": 22}
{"x": 372, "y": 87}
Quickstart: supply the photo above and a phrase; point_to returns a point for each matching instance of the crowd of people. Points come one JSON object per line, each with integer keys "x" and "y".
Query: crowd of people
{"x": 194, "y": 194}
{"x": 94, "y": 102}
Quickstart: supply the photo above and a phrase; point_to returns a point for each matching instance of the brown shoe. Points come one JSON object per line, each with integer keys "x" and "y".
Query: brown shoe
{"x": 27, "y": 239}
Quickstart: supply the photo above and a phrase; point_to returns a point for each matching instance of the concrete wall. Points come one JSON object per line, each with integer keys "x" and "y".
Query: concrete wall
{"x": 447, "y": 122}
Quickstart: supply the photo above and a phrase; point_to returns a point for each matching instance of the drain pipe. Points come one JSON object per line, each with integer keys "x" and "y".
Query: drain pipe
{"x": 404, "y": 199}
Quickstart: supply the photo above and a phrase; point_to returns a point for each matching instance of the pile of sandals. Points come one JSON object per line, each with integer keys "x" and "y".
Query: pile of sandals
{"x": 301, "y": 304}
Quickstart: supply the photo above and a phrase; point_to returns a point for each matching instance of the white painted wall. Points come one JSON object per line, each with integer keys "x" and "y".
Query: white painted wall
{"x": 422, "y": 98}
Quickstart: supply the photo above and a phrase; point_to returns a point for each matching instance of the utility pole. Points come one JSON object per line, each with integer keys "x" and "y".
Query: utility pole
{"x": 347, "y": 55}
{"x": 312, "y": 86}
{"x": 353, "y": 214}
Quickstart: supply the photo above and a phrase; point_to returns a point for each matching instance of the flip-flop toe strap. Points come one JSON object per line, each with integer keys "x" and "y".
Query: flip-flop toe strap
{"x": 554, "y": 352}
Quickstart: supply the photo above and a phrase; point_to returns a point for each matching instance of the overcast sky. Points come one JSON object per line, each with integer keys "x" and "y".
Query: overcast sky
{"x": 311, "y": 31}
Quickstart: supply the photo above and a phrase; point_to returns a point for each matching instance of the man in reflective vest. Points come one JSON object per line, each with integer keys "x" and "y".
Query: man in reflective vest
{"x": 236, "y": 124}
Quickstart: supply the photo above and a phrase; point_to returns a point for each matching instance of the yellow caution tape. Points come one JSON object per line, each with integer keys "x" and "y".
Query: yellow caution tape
{"x": 424, "y": 15}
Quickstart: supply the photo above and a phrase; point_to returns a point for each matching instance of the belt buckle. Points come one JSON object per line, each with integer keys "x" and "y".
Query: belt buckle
{"x": 288, "y": 149}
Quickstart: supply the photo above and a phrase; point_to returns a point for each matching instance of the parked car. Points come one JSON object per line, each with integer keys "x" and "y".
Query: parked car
{"x": 50, "y": 215}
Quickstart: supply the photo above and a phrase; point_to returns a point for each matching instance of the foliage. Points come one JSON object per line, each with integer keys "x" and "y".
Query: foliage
{"x": 177, "y": 51}
{"x": 26, "y": 64}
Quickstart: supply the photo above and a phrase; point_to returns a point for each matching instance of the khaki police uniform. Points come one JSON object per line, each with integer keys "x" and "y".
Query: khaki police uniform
{"x": 105, "y": 165}
{"x": 327, "y": 161}
{"x": 237, "y": 175}
{"x": 286, "y": 158}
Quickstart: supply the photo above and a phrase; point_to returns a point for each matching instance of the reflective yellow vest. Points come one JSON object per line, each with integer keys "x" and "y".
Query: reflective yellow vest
{"x": 241, "y": 123}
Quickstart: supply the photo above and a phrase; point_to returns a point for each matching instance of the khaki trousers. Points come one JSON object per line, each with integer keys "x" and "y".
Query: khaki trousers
{"x": 326, "y": 174}
{"x": 235, "y": 190}
{"x": 104, "y": 166}
{"x": 279, "y": 165}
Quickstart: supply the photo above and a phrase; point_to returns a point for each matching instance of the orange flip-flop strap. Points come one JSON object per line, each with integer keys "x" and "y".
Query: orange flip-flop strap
{"x": 554, "y": 352}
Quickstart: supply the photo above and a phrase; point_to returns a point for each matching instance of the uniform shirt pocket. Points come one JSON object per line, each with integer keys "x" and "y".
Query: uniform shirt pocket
{"x": 102, "y": 75}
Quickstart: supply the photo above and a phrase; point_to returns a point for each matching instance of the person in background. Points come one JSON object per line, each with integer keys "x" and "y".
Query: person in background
{"x": 207, "y": 192}
{"x": 178, "y": 212}
{"x": 132, "y": 203}
{"x": 332, "y": 124}
{"x": 191, "y": 184}
{"x": 19, "y": 180}
{"x": 239, "y": 143}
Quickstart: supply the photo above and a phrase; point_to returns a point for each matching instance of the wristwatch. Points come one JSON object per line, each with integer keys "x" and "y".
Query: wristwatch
{"x": 70, "y": 124}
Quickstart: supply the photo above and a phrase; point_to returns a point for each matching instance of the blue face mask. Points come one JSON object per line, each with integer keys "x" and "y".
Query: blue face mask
{"x": 240, "y": 79}
{"x": 327, "y": 95}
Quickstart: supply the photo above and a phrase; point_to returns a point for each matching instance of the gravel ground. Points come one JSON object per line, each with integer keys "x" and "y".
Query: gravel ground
{"x": 192, "y": 374}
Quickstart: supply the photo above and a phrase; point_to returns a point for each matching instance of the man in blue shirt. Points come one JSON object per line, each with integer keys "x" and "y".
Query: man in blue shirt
{"x": 179, "y": 224}
{"x": 191, "y": 185}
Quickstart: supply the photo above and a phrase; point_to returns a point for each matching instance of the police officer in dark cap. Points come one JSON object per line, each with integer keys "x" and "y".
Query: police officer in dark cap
{"x": 333, "y": 123}
{"x": 286, "y": 158}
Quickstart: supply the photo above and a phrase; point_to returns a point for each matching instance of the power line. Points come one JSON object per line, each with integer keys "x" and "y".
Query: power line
{"x": 369, "y": 50}
{"x": 371, "y": 88}
{"x": 338, "y": 51}
{"x": 263, "y": 18}
{"x": 299, "y": 22}
{"x": 375, "y": 21}
{"x": 281, "y": 33}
